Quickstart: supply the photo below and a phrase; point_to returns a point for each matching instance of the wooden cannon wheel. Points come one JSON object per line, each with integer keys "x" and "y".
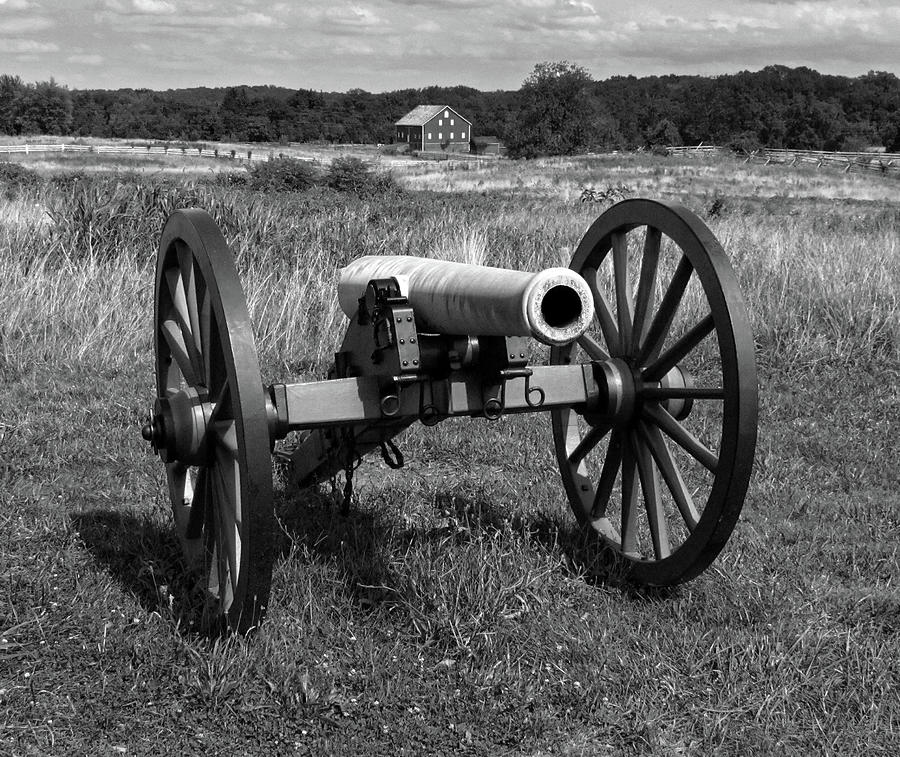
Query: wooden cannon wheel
{"x": 672, "y": 334}
{"x": 209, "y": 423}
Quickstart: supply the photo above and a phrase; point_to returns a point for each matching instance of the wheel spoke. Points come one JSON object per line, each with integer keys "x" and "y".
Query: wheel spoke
{"x": 182, "y": 317}
{"x": 682, "y": 393}
{"x": 659, "y": 327}
{"x": 592, "y": 347}
{"x": 608, "y": 475}
{"x": 178, "y": 297}
{"x": 629, "y": 502}
{"x": 225, "y": 433}
{"x": 174, "y": 337}
{"x": 189, "y": 281}
{"x": 228, "y": 511}
{"x": 199, "y": 504}
{"x": 603, "y": 311}
{"x": 681, "y": 436}
{"x": 175, "y": 286}
{"x": 656, "y": 516}
{"x": 624, "y": 307}
{"x": 677, "y": 352}
{"x": 206, "y": 326}
{"x": 221, "y": 406}
{"x": 179, "y": 486}
{"x": 670, "y": 473}
{"x": 591, "y": 439}
{"x": 649, "y": 264}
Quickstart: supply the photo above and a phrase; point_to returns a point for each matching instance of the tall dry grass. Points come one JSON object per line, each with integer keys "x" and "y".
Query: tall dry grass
{"x": 77, "y": 257}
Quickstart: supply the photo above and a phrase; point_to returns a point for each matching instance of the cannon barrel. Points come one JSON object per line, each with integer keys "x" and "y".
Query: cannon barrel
{"x": 555, "y": 306}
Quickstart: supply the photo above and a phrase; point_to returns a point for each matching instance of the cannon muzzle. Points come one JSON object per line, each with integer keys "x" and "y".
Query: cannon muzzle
{"x": 554, "y": 306}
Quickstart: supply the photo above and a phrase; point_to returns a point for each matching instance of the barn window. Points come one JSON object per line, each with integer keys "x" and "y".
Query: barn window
{"x": 446, "y": 114}
{"x": 462, "y": 135}
{"x": 429, "y": 135}
{"x": 440, "y": 122}
{"x": 451, "y": 122}
{"x": 451, "y": 135}
{"x": 440, "y": 135}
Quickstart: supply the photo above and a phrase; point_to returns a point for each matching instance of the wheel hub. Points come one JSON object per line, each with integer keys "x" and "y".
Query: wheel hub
{"x": 622, "y": 390}
{"x": 678, "y": 378}
{"x": 178, "y": 427}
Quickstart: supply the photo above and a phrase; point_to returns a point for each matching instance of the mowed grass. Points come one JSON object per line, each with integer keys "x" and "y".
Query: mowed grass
{"x": 456, "y": 609}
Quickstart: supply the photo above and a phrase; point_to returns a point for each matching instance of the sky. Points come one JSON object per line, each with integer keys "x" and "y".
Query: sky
{"x": 383, "y": 45}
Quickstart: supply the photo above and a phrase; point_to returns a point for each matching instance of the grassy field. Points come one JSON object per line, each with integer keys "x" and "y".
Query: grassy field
{"x": 453, "y": 611}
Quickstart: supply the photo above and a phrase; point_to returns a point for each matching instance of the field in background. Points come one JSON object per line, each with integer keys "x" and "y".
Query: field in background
{"x": 450, "y": 613}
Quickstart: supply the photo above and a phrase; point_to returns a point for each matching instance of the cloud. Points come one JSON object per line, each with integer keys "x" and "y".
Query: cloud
{"x": 443, "y": 5}
{"x": 16, "y": 5}
{"x": 27, "y": 46}
{"x": 352, "y": 17}
{"x": 86, "y": 59}
{"x": 24, "y": 25}
{"x": 153, "y": 6}
{"x": 178, "y": 22}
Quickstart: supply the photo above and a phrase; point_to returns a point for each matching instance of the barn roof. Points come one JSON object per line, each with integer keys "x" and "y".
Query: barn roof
{"x": 422, "y": 114}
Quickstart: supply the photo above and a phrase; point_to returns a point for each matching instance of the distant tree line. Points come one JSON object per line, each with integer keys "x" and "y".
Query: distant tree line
{"x": 559, "y": 109}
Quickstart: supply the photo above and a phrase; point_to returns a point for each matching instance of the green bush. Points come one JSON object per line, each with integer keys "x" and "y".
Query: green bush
{"x": 282, "y": 175}
{"x": 351, "y": 174}
{"x": 348, "y": 174}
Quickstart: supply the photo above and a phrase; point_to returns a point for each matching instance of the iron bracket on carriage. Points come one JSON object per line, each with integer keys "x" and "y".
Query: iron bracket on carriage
{"x": 648, "y": 376}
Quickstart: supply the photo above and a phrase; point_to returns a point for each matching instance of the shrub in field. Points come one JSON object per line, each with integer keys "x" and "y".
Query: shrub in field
{"x": 15, "y": 178}
{"x": 351, "y": 174}
{"x": 348, "y": 174}
{"x": 745, "y": 143}
{"x": 282, "y": 175}
{"x": 231, "y": 179}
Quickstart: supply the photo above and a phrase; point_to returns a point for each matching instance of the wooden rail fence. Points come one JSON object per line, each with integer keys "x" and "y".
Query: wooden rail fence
{"x": 239, "y": 155}
{"x": 848, "y": 161}
{"x": 883, "y": 162}
{"x": 449, "y": 162}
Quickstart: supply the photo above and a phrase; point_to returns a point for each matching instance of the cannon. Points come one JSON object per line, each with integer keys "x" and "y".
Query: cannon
{"x": 644, "y": 360}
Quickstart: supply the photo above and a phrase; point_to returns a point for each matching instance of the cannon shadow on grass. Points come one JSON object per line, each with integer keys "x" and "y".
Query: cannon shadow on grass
{"x": 142, "y": 554}
{"x": 584, "y": 555}
{"x": 364, "y": 545}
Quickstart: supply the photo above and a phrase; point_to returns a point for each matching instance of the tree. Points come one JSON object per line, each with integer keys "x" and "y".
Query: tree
{"x": 663, "y": 134}
{"x": 559, "y": 113}
{"x": 43, "y": 108}
{"x": 11, "y": 88}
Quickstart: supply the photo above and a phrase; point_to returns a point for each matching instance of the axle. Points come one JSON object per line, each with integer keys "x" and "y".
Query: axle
{"x": 606, "y": 392}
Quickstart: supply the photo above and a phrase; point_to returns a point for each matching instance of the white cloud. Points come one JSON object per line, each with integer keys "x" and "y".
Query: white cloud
{"x": 87, "y": 59}
{"x": 391, "y": 44}
{"x": 153, "y": 6}
{"x": 354, "y": 17}
{"x": 24, "y": 25}
{"x": 26, "y": 46}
